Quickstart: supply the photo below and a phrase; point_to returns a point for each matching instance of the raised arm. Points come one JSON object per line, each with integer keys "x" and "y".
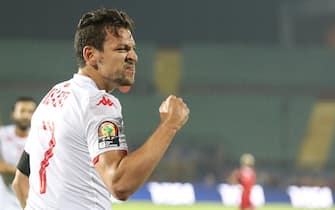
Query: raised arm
{"x": 123, "y": 174}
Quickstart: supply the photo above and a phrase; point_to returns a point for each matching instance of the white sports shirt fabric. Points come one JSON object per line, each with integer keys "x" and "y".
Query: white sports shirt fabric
{"x": 73, "y": 124}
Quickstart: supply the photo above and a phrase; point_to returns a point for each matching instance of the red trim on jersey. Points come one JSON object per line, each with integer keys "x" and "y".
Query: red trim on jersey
{"x": 95, "y": 160}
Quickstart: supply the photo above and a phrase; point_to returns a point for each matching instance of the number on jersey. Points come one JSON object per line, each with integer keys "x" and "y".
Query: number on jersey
{"x": 50, "y": 127}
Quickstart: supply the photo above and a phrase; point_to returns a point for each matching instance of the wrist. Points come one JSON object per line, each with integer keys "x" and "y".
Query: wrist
{"x": 168, "y": 128}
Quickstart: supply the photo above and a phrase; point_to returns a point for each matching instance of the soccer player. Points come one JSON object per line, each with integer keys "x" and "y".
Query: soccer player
{"x": 246, "y": 176}
{"x": 77, "y": 147}
{"x": 12, "y": 140}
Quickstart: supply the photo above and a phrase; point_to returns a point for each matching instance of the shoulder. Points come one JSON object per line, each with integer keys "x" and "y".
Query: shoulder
{"x": 7, "y": 132}
{"x": 104, "y": 99}
{"x": 6, "y": 128}
{"x": 2, "y": 128}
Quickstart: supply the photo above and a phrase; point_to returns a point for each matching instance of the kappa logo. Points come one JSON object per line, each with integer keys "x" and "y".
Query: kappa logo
{"x": 105, "y": 101}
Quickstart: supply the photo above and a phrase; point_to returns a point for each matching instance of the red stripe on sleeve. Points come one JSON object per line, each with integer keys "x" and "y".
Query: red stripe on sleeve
{"x": 95, "y": 160}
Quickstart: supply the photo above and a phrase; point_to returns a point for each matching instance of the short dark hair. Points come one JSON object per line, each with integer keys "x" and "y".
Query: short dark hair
{"x": 91, "y": 29}
{"x": 23, "y": 99}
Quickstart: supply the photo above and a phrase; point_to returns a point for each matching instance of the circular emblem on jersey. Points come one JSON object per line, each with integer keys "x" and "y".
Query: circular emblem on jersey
{"x": 108, "y": 135}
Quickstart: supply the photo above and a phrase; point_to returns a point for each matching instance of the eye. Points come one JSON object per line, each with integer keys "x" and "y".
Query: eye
{"x": 123, "y": 49}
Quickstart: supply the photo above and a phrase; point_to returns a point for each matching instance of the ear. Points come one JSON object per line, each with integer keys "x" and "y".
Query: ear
{"x": 90, "y": 55}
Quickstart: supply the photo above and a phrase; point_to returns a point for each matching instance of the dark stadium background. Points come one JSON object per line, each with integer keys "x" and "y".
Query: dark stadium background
{"x": 254, "y": 73}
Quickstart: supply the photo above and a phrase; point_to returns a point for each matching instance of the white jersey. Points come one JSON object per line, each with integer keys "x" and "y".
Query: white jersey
{"x": 11, "y": 148}
{"x": 74, "y": 123}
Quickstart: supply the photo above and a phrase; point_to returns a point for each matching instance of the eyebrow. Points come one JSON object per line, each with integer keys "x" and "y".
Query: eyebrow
{"x": 126, "y": 45}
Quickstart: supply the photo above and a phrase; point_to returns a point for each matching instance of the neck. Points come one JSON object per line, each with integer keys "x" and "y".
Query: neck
{"x": 21, "y": 133}
{"x": 96, "y": 77}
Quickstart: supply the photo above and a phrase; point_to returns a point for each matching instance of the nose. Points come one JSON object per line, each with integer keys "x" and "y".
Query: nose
{"x": 27, "y": 115}
{"x": 132, "y": 55}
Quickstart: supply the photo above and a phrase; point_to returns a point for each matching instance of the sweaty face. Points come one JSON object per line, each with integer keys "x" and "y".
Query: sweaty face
{"x": 22, "y": 114}
{"x": 116, "y": 63}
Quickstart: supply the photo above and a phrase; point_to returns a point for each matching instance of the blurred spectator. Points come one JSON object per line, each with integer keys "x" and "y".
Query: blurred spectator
{"x": 12, "y": 140}
{"x": 210, "y": 179}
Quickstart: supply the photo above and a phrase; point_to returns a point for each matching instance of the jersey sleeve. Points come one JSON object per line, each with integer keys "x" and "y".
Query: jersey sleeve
{"x": 27, "y": 145}
{"x": 23, "y": 165}
{"x": 105, "y": 129}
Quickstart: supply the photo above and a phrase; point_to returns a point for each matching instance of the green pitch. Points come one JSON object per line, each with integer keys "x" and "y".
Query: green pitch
{"x": 130, "y": 205}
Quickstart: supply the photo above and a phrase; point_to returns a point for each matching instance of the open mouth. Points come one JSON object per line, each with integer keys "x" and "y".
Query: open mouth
{"x": 130, "y": 68}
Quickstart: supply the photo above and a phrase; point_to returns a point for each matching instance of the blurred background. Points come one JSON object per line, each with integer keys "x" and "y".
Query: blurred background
{"x": 257, "y": 75}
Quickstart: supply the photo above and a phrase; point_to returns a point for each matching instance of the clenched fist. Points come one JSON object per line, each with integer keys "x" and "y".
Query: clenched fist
{"x": 174, "y": 112}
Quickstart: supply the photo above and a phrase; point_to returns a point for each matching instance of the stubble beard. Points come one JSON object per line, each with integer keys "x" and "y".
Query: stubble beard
{"x": 21, "y": 125}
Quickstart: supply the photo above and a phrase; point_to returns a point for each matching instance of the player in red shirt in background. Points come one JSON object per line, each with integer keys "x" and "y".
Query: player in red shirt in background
{"x": 246, "y": 177}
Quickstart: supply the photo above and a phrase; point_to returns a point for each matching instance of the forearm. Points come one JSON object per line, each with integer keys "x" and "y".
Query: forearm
{"x": 21, "y": 187}
{"x": 134, "y": 169}
{"x": 22, "y": 195}
{"x": 138, "y": 166}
